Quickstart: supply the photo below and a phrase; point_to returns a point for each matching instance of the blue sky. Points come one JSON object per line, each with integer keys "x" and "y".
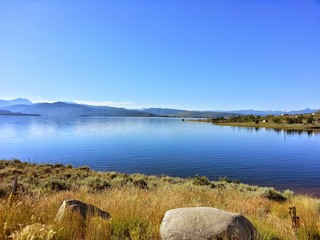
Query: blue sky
{"x": 205, "y": 55}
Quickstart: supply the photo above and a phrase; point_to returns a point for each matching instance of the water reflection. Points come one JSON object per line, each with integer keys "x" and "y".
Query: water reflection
{"x": 276, "y": 130}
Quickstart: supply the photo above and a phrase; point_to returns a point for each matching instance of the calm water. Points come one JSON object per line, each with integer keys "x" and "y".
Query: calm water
{"x": 167, "y": 146}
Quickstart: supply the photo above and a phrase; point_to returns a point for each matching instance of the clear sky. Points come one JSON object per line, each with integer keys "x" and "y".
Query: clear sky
{"x": 200, "y": 54}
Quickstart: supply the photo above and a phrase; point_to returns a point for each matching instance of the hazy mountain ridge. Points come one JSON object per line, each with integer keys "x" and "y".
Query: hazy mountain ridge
{"x": 167, "y": 112}
{"x": 9, "y": 113}
{"x": 5, "y": 103}
{"x": 21, "y": 106}
{"x": 60, "y": 109}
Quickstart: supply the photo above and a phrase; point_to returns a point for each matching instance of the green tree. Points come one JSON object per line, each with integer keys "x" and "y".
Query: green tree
{"x": 310, "y": 120}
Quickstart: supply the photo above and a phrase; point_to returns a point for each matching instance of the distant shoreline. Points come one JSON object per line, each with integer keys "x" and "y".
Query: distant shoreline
{"x": 20, "y": 115}
{"x": 270, "y": 122}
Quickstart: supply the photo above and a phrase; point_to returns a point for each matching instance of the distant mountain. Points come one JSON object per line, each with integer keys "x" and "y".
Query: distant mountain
{"x": 5, "y": 112}
{"x": 9, "y": 113}
{"x": 163, "y": 112}
{"x": 22, "y": 106}
{"x": 304, "y": 111}
{"x": 61, "y": 109}
{"x": 166, "y": 112}
{"x": 270, "y": 112}
{"x": 257, "y": 112}
{"x": 22, "y": 101}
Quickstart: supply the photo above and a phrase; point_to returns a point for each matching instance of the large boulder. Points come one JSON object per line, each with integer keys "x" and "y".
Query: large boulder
{"x": 84, "y": 209}
{"x": 205, "y": 223}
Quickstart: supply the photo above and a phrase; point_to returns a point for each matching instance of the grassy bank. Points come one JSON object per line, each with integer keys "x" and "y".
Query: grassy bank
{"x": 138, "y": 202}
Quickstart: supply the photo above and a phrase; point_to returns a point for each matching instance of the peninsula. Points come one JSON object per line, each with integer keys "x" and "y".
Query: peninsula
{"x": 301, "y": 122}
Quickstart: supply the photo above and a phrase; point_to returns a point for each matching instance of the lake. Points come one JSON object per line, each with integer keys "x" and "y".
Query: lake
{"x": 170, "y": 146}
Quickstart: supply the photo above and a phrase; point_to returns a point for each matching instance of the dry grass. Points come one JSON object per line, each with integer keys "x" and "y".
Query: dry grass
{"x": 137, "y": 210}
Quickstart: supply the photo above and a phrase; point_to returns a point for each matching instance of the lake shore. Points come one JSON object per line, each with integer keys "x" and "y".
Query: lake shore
{"x": 138, "y": 202}
{"x": 288, "y": 123}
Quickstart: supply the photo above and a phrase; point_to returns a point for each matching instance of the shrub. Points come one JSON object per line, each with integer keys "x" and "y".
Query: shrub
{"x": 200, "y": 181}
{"x": 140, "y": 183}
{"x": 121, "y": 180}
{"x": 96, "y": 183}
{"x": 310, "y": 120}
{"x": 272, "y": 194}
{"x": 227, "y": 180}
{"x": 288, "y": 194}
{"x": 56, "y": 185}
{"x": 3, "y": 191}
{"x": 276, "y": 120}
{"x": 84, "y": 168}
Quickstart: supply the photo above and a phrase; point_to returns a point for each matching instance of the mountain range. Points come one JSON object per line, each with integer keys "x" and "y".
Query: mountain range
{"x": 23, "y": 101}
{"x": 25, "y": 107}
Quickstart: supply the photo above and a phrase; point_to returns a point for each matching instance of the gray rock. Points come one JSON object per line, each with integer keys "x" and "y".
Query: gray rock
{"x": 84, "y": 209}
{"x": 199, "y": 223}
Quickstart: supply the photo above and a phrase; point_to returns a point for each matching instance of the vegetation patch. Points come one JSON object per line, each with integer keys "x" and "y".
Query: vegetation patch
{"x": 299, "y": 122}
{"x": 137, "y": 203}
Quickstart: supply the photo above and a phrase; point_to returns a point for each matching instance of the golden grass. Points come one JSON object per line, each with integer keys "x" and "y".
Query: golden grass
{"x": 137, "y": 211}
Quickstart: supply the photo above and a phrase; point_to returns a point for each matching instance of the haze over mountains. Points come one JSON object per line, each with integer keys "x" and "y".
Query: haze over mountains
{"x": 25, "y": 107}
{"x": 5, "y": 103}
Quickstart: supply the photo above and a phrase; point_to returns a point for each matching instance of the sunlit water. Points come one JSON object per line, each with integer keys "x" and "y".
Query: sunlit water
{"x": 167, "y": 146}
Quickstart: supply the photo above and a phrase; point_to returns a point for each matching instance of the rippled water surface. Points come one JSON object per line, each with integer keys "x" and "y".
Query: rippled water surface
{"x": 167, "y": 146}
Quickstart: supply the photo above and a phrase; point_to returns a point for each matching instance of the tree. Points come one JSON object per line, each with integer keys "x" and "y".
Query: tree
{"x": 310, "y": 120}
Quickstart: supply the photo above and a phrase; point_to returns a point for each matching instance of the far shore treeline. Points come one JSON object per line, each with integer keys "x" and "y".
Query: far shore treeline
{"x": 298, "y": 122}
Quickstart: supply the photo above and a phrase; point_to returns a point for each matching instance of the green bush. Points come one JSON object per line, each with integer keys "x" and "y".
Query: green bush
{"x": 121, "y": 180}
{"x": 228, "y": 180}
{"x": 96, "y": 183}
{"x": 56, "y": 185}
{"x": 272, "y": 194}
{"x": 200, "y": 181}
{"x": 141, "y": 183}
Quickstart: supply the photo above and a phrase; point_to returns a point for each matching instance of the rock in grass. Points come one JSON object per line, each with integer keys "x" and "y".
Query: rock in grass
{"x": 205, "y": 223}
{"x": 84, "y": 209}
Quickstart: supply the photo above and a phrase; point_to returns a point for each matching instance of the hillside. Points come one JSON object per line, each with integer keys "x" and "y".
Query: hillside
{"x": 61, "y": 109}
{"x": 137, "y": 203}
{"x": 166, "y": 112}
{"x": 9, "y": 113}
